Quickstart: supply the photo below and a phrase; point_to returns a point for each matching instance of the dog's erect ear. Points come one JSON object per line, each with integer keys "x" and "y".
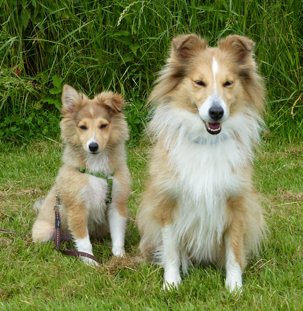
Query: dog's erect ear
{"x": 240, "y": 47}
{"x": 70, "y": 99}
{"x": 187, "y": 46}
{"x": 114, "y": 102}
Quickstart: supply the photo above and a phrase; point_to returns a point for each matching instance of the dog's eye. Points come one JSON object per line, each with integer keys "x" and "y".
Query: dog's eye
{"x": 227, "y": 83}
{"x": 103, "y": 126}
{"x": 83, "y": 127}
{"x": 201, "y": 83}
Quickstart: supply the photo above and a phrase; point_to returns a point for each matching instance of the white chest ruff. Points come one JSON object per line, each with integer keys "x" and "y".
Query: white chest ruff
{"x": 95, "y": 192}
{"x": 206, "y": 177}
{"x": 206, "y": 170}
{"x": 94, "y": 195}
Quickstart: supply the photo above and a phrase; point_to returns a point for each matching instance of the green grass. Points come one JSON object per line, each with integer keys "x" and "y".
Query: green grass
{"x": 38, "y": 275}
{"x": 120, "y": 45}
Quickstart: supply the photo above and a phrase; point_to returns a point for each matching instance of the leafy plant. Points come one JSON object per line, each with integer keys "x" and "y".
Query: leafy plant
{"x": 56, "y": 90}
{"x": 136, "y": 116}
{"x": 113, "y": 45}
{"x": 15, "y": 126}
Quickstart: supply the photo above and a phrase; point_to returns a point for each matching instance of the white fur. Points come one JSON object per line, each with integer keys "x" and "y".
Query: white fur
{"x": 171, "y": 258}
{"x": 215, "y": 67}
{"x": 180, "y": 126}
{"x": 117, "y": 226}
{"x": 94, "y": 195}
{"x": 206, "y": 174}
{"x": 233, "y": 270}
{"x": 98, "y": 163}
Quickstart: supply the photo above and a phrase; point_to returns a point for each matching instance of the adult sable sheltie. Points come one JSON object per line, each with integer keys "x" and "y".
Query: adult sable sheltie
{"x": 200, "y": 205}
{"x": 94, "y": 132}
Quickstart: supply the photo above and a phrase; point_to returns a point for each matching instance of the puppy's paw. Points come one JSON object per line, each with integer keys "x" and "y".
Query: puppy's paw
{"x": 118, "y": 251}
{"x": 89, "y": 261}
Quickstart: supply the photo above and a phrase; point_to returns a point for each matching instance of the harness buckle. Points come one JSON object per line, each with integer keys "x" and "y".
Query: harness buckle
{"x": 58, "y": 202}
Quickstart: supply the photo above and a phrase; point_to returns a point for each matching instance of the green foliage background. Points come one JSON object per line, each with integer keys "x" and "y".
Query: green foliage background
{"x": 120, "y": 45}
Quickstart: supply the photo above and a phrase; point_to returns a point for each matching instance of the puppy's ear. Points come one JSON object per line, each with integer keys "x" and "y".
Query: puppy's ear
{"x": 187, "y": 46}
{"x": 113, "y": 101}
{"x": 240, "y": 47}
{"x": 70, "y": 100}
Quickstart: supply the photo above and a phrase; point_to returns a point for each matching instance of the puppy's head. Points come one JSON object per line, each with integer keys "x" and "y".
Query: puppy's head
{"x": 92, "y": 124}
{"x": 212, "y": 82}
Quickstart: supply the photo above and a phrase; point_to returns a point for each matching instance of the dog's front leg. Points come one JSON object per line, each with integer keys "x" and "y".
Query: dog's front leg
{"x": 118, "y": 211}
{"x": 171, "y": 258}
{"x": 234, "y": 247}
{"x": 117, "y": 227}
{"x": 77, "y": 223}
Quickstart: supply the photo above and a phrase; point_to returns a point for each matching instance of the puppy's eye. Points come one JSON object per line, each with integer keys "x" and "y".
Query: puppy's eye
{"x": 103, "y": 126}
{"x": 83, "y": 127}
{"x": 201, "y": 83}
{"x": 228, "y": 83}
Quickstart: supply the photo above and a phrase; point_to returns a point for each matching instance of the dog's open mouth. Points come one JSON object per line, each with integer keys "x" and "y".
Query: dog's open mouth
{"x": 213, "y": 128}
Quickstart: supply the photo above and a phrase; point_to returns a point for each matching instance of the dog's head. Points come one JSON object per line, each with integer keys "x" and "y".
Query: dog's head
{"x": 212, "y": 82}
{"x": 92, "y": 124}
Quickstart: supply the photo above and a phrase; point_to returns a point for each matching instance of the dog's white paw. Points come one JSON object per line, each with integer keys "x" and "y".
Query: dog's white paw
{"x": 234, "y": 284}
{"x": 171, "y": 280}
{"x": 89, "y": 261}
{"x": 170, "y": 285}
{"x": 118, "y": 251}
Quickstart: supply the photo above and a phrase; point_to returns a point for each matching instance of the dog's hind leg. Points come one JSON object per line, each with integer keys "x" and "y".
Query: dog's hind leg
{"x": 43, "y": 231}
{"x": 38, "y": 204}
{"x": 44, "y": 226}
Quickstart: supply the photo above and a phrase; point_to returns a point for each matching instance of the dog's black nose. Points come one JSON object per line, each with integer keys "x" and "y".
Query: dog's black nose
{"x": 93, "y": 147}
{"x": 216, "y": 112}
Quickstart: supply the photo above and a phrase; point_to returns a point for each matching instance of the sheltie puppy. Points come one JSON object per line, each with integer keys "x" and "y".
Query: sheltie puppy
{"x": 95, "y": 132}
{"x": 200, "y": 205}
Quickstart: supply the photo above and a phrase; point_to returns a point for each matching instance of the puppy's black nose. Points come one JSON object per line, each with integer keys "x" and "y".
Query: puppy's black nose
{"x": 216, "y": 112}
{"x": 93, "y": 147}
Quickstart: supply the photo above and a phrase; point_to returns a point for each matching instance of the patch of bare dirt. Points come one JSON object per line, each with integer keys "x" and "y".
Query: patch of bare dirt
{"x": 116, "y": 264}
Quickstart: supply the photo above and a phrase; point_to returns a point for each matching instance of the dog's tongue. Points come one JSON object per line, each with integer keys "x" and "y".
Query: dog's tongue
{"x": 214, "y": 126}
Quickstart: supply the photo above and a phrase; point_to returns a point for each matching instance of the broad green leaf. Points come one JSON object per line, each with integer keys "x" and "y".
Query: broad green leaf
{"x": 121, "y": 33}
{"x": 134, "y": 48}
{"x": 58, "y": 104}
{"x": 48, "y": 100}
{"x": 127, "y": 57}
{"x": 57, "y": 82}
{"x": 24, "y": 18}
{"x": 55, "y": 91}
{"x": 127, "y": 40}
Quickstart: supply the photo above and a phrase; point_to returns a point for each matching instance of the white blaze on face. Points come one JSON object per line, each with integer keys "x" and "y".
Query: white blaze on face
{"x": 92, "y": 140}
{"x": 213, "y": 98}
{"x": 215, "y": 67}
